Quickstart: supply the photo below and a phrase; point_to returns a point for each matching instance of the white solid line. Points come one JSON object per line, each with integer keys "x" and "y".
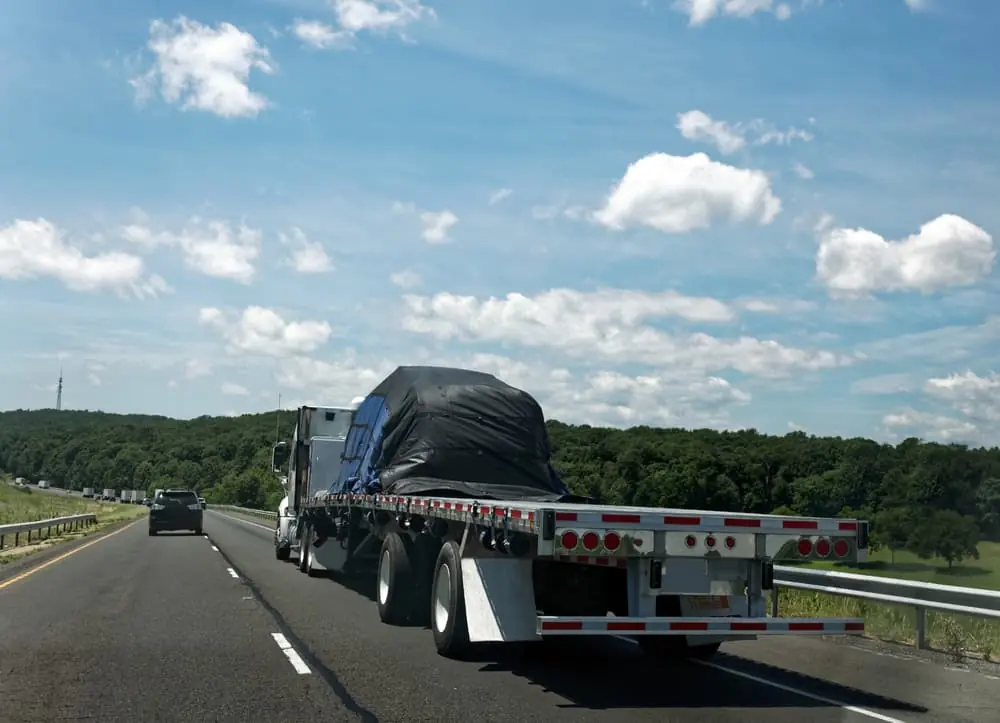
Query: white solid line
{"x": 215, "y": 548}
{"x": 233, "y": 573}
{"x": 797, "y": 691}
{"x": 293, "y": 657}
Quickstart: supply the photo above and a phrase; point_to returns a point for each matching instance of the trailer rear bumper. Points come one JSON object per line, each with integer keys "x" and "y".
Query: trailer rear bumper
{"x": 716, "y": 627}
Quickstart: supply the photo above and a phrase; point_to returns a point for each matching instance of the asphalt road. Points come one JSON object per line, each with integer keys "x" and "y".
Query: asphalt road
{"x": 182, "y": 628}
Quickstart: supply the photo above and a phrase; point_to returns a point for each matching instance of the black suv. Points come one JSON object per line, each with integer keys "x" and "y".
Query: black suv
{"x": 175, "y": 510}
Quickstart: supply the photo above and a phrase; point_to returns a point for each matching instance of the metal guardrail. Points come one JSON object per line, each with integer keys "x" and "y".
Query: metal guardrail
{"x": 70, "y": 522}
{"x": 921, "y": 596}
{"x": 265, "y": 514}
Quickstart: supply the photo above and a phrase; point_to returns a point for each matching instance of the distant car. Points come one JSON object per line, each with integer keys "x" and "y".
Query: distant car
{"x": 175, "y": 510}
{"x": 203, "y": 503}
{"x": 146, "y": 501}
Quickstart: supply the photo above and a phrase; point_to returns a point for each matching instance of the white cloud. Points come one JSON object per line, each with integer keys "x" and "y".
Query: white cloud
{"x": 379, "y": 16}
{"x": 675, "y": 194}
{"x": 700, "y": 12}
{"x": 33, "y": 249}
{"x": 596, "y": 397}
{"x": 607, "y": 325}
{"x": 233, "y": 389}
{"x": 930, "y": 426}
{"x": 918, "y": 5}
{"x": 306, "y": 257}
{"x": 698, "y": 126}
{"x": 436, "y": 224}
{"x": 977, "y": 397}
{"x": 195, "y": 368}
{"x": 204, "y": 69}
{"x": 264, "y": 332}
{"x": 804, "y": 172}
{"x": 406, "y": 279}
{"x": 498, "y": 195}
{"x": 318, "y": 35}
{"x": 210, "y": 247}
{"x": 948, "y": 251}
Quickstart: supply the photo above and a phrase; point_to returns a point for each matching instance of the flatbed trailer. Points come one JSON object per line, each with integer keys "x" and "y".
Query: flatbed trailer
{"x": 679, "y": 581}
{"x": 523, "y": 571}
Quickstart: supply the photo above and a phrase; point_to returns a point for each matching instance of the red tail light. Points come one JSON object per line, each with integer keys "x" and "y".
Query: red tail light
{"x": 591, "y": 540}
{"x": 569, "y": 540}
{"x": 710, "y": 542}
{"x": 612, "y": 541}
{"x": 690, "y": 541}
{"x": 730, "y": 543}
{"x": 823, "y": 547}
{"x": 805, "y": 547}
{"x": 841, "y": 548}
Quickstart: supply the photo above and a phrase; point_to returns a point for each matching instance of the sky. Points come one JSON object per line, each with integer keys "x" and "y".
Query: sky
{"x": 694, "y": 213}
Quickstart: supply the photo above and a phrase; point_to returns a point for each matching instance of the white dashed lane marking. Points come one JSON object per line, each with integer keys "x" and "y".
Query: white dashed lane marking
{"x": 293, "y": 657}
{"x": 232, "y": 573}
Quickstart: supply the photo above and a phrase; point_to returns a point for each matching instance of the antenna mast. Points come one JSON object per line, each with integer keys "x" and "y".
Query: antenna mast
{"x": 59, "y": 391}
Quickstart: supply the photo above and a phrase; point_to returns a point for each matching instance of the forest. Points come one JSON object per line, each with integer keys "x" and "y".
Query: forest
{"x": 932, "y": 499}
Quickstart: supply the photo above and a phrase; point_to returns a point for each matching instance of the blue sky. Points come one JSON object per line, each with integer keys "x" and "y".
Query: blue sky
{"x": 778, "y": 216}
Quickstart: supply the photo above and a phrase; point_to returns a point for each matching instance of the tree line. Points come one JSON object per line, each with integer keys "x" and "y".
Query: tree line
{"x": 932, "y": 499}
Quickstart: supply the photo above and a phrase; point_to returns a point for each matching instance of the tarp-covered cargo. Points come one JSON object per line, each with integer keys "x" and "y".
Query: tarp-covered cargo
{"x": 450, "y": 432}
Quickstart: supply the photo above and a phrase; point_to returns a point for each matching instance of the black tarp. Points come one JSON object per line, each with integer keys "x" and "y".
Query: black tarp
{"x": 462, "y": 433}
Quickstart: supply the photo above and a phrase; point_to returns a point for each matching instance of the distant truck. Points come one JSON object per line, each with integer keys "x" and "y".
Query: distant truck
{"x": 137, "y": 496}
{"x": 43, "y": 484}
{"x": 109, "y": 494}
{"x": 88, "y": 492}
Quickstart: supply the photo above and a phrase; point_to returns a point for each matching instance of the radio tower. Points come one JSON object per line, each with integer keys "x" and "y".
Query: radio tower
{"x": 59, "y": 392}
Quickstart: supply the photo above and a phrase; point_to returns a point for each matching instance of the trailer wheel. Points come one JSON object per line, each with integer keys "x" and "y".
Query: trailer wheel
{"x": 394, "y": 597}
{"x": 448, "y": 622}
{"x": 282, "y": 552}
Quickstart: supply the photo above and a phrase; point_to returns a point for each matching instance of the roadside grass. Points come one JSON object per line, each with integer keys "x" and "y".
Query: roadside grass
{"x": 29, "y": 505}
{"x": 958, "y": 635}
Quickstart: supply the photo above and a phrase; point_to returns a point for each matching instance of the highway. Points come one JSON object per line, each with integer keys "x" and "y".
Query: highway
{"x": 183, "y": 628}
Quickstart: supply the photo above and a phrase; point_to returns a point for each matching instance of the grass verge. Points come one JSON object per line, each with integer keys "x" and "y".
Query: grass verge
{"x": 29, "y": 505}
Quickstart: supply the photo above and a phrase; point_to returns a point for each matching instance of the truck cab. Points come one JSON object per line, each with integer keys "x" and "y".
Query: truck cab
{"x": 313, "y": 462}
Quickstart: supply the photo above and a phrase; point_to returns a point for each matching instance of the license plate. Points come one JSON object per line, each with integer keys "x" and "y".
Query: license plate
{"x": 708, "y": 602}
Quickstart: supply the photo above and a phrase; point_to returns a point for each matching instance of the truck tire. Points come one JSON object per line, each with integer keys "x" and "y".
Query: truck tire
{"x": 304, "y": 549}
{"x": 448, "y": 622}
{"x": 282, "y": 552}
{"x": 394, "y": 595}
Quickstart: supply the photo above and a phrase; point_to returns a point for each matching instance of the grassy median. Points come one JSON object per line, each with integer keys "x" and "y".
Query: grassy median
{"x": 25, "y": 504}
{"x": 958, "y": 635}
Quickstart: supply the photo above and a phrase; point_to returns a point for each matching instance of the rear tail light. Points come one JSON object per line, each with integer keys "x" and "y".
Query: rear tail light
{"x": 569, "y": 540}
{"x": 690, "y": 541}
{"x": 195, "y": 506}
{"x": 823, "y": 547}
{"x": 591, "y": 540}
{"x": 612, "y": 541}
{"x": 841, "y": 548}
{"x": 805, "y": 547}
{"x": 730, "y": 543}
{"x": 710, "y": 542}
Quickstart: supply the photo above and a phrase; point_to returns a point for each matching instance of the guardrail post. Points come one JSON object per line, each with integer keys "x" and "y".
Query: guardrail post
{"x": 921, "y": 638}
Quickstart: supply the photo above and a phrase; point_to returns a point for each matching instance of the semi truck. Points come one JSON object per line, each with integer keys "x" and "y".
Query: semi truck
{"x": 88, "y": 492}
{"x": 137, "y": 496}
{"x": 108, "y": 495}
{"x": 319, "y": 436}
{"x": 446, "y": 489}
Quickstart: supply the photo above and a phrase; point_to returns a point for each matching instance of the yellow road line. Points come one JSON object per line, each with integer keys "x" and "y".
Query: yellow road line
{"x": 54, "y": 560}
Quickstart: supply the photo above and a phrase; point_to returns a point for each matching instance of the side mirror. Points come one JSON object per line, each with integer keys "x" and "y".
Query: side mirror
{"x": 279, "y": 456}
